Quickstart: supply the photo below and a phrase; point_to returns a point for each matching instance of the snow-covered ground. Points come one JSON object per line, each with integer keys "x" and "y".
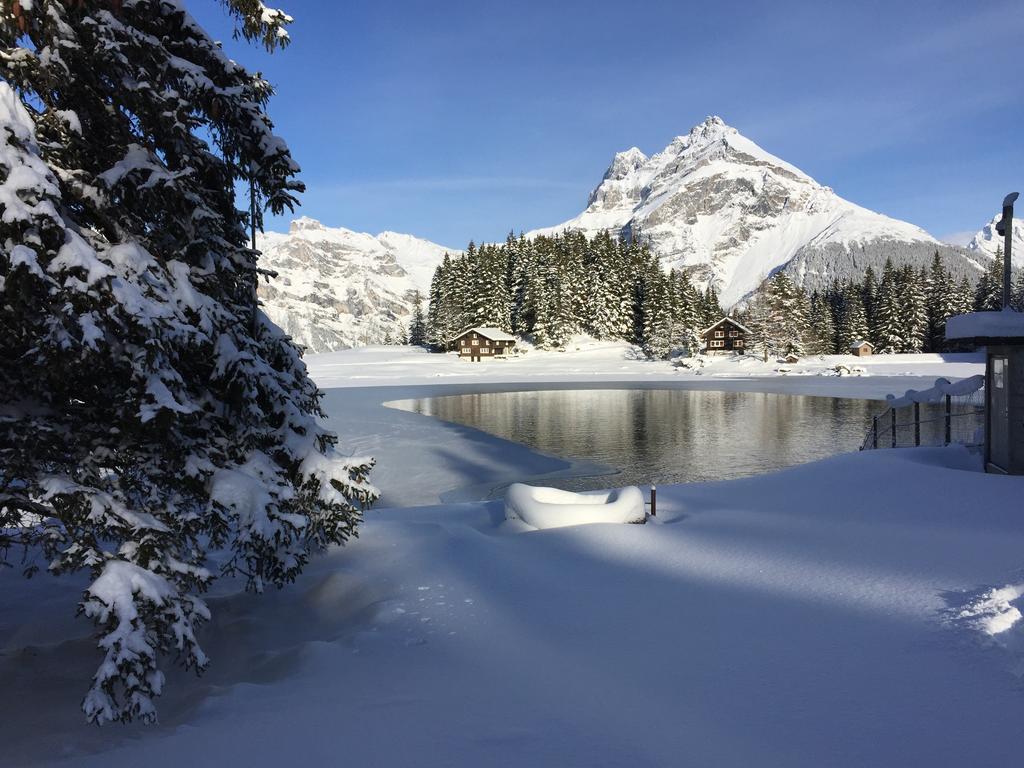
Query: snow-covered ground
{"x": 863, "y": 610}
{"x": 587, "y": 360}
{"x": 781, "y": 620}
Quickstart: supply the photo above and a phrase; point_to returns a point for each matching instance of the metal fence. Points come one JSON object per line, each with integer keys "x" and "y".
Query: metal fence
{"x": 938, "y": 420}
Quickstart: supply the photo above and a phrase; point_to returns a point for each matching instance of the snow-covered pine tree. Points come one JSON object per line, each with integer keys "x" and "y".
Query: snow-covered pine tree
{"x": 988, "y": 296}
{"x": 913, "y": 312}
{"x": 149, "y": 411}
{"x": 940, "y": 304}
{"x": 854, "y": 325}
{"x": 868, "y": 295}
{"x": 888, "y": 312}
{"x": 417, "y": 336}
{"x": 822, "y": 332}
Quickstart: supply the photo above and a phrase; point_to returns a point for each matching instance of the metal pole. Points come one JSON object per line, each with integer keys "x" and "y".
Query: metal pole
{"x": 892, "y": 419}
{"x": 949, "y": 419}
{"x": 1005, "y": 228}
{"x": 917, "y": 424}
{"x": 654, "y": 501}
{"x": 874, "y": 432}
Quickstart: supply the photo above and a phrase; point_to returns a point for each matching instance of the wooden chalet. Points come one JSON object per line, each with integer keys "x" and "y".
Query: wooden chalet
{"x": 727, "y": 335}
{"x": 478, "y": 343}
{"x": 862, "y": 348}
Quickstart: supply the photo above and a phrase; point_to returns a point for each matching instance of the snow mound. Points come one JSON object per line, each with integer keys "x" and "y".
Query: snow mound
{"x": 994, "y": 612}
{"x": 554, "y": 508}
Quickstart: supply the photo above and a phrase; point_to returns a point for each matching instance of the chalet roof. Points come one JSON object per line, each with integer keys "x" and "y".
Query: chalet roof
{"x": 494, "y": 334}
{"x": 859, "y": 344}
{"x": 732, "y": 320}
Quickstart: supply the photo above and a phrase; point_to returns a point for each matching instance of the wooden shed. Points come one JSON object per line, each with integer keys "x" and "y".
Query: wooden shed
{"x": 727, "y": 335}
{"x": 862, "y": 348}
{"x": 480, "y": 342}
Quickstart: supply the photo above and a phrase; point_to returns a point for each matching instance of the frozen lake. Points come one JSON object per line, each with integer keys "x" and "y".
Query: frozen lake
{"x": 663, "y": 435}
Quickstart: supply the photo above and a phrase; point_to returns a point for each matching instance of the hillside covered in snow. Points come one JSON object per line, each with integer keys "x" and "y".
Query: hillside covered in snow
{"x": 716, "y": 204}
{"x": 336, "y": 288}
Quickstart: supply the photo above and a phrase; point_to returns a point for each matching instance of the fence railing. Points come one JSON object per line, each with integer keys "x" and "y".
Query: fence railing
{"x": 945, "y": 414}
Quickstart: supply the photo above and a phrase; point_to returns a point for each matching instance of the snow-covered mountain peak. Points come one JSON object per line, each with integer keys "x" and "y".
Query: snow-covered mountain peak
{"x": 717, "y": 205}
{"x": 624, "y": 163}
{"x": 304, "y": 223}
{"x": 987, "y": 240}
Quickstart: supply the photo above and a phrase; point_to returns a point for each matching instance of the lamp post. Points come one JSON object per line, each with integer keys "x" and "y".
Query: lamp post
{"x": 1004, "y": 227}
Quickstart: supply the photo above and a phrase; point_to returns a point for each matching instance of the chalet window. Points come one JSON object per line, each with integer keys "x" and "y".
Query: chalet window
{"x": 733, "y": 334}
{"x": 738, "y": 343}
{"x": 717, "y": 343}
{"x": 476, "y": 342}
{"x": 466, "y": 350}
{"x": 719, "y": 334}
{"x": 485, "y": 350}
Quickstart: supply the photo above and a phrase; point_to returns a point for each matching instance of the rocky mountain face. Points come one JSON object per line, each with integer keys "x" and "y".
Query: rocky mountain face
{"x": 987, "y": 240}
{"x": 717, "y": 205}
{"x": 336, "y": 288}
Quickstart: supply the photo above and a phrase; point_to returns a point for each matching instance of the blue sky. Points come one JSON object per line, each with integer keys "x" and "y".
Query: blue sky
{"x": 460, "y": 120}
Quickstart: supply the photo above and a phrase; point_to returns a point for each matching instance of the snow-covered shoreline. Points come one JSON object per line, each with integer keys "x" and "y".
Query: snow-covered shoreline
{"x": 421, "y": 460}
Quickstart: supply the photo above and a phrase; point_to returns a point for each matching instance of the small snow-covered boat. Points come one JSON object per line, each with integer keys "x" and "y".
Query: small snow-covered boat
{"x": 554, "y": 508}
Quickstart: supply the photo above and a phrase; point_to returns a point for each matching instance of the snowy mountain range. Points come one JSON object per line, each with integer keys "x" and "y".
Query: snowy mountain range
{"x": 336, "y": 288}
{"x": 712, "y": 202}
{"x": 716, "y": 204}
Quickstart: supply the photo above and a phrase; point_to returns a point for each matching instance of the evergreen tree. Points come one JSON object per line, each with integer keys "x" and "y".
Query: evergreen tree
{"x": 854, "y": 325}
{"x": 940, "y": 302}
{"x": 913, "y": 315}
{"x": 869, "y": 295}
{"x": 418, "y": 325}
{"x": 888, "y": 312}
{"x": 154, "y": 412}
{"x": 822, "y": 330}
{"x": 988, "y": 296}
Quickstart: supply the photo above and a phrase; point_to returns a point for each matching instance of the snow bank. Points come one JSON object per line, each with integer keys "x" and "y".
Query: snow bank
{"x": 986, "y": 325}
{"x": 554, "y": 508}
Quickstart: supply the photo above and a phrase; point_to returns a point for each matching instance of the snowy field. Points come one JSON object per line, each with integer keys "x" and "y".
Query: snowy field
{"x": 587, "y": 360}
{"x": 860, "y": 611}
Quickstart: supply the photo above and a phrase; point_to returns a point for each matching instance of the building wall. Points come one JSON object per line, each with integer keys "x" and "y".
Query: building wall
{"x": 1015, "y": 402}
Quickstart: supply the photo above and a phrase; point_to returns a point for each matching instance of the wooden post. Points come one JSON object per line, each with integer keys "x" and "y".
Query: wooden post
{"x": 874, "y": 432}
{"x": 949, "y": 420}
{"x": 892, "y": 420}
{"x": 654, "y": 501}
{"x": 917, "y": 424}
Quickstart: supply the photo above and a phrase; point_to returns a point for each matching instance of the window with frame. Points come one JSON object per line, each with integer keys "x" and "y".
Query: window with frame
{"x": 476, "y": 342}
{"x": 466, "y": 350}
{"x": 733, "y": 334}
{"x": 485, "y": 350}
{"x": 719, "y": 334}
{"x": 738, "y": 343}
{"x": 717, "y": 343}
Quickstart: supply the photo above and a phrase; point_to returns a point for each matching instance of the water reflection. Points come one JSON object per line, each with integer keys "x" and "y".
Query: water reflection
{"x": 664, "y": 436}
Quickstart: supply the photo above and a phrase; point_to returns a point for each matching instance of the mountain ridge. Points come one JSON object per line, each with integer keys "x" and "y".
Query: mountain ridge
{"x": 717, "y": 205}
